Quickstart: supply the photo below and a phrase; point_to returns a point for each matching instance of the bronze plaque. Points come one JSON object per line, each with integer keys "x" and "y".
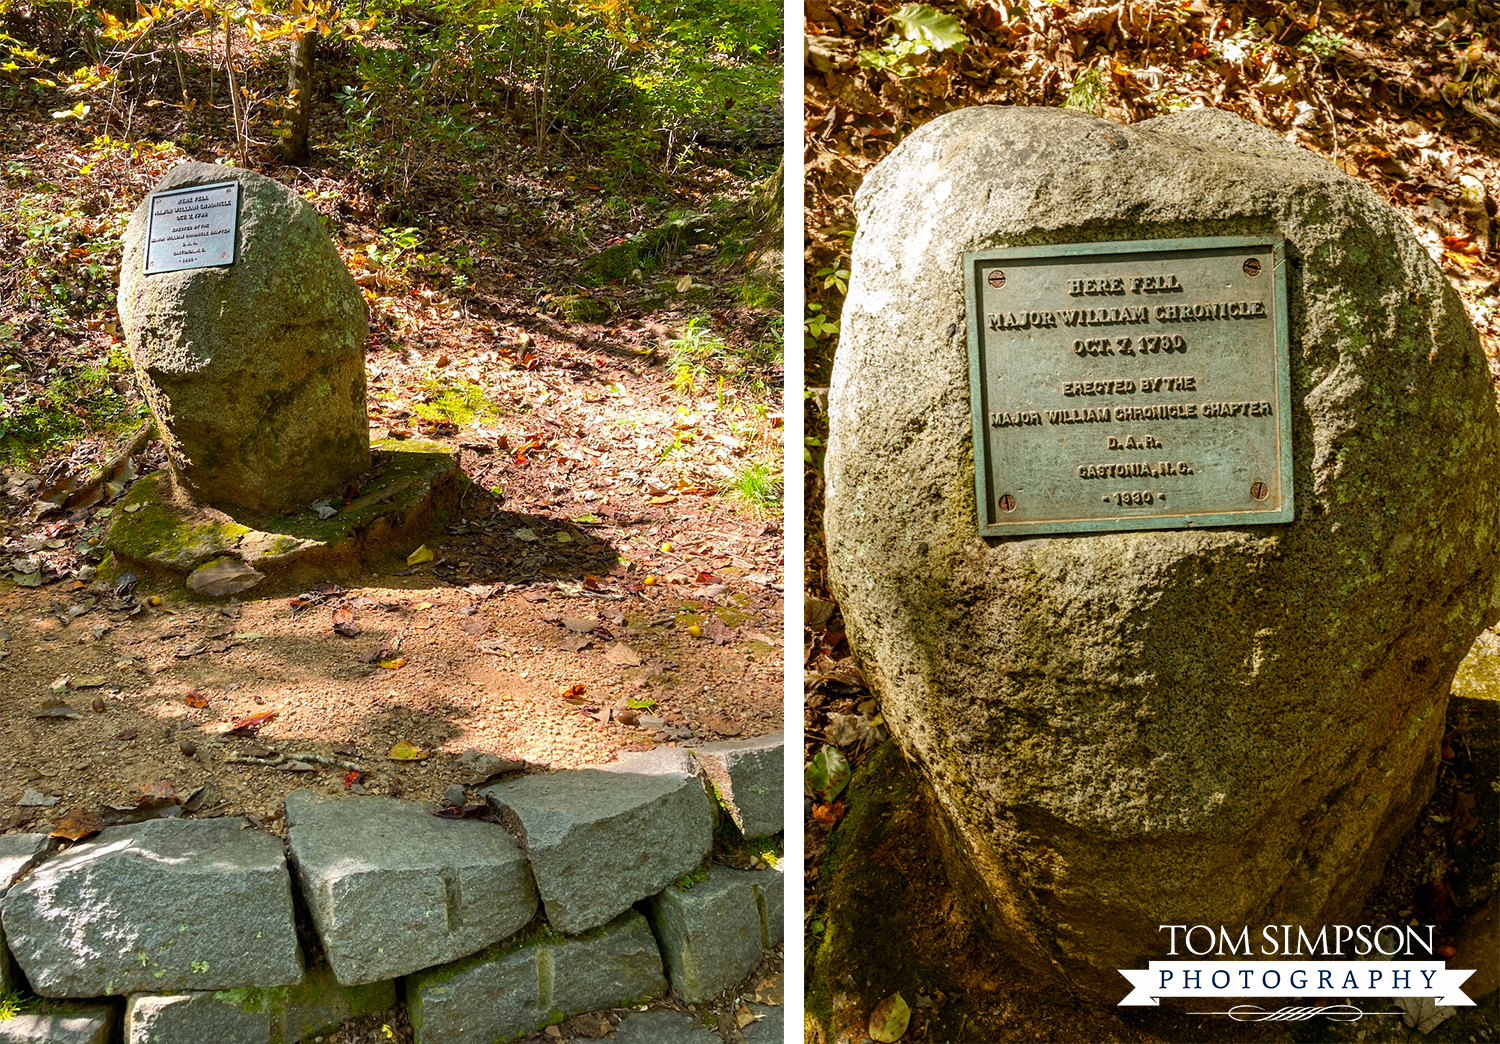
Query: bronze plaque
{"x": 1135, "y": 385}
{"x": 192, "y": 227}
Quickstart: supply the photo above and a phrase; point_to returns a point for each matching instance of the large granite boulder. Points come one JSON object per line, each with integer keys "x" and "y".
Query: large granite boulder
{"x": 1130, "y": 729}
{"x": 254, "y": 371}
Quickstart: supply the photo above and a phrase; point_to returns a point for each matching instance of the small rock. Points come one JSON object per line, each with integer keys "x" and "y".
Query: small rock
{"x": 35, "y": 799}
{"x": 453, "y": 797}
{"x": 477, "y": 766}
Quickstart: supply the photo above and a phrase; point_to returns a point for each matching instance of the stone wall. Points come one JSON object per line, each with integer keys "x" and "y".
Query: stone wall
{"x": 600, "y": 894}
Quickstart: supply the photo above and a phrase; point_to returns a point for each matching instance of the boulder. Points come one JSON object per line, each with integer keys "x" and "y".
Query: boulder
{"x": 1218, "y": 725}
{"x": 193, "y": 1018}
{"x": 254, "y": 370}
{"x": 18, "y": 853}
{"x": 165, "y": 905}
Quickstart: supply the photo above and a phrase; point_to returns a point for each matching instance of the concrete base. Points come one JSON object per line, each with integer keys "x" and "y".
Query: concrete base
{"x": 155, "y": 532}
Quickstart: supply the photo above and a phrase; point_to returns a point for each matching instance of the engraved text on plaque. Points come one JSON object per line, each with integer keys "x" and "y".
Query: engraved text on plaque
{"x": 192, "y": 227}
{"x": 1133, "y": 385}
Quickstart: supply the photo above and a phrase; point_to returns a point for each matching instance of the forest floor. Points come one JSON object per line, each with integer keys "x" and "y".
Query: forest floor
{"x": 1404, "y": 96}
{"x": 613, "y": 577}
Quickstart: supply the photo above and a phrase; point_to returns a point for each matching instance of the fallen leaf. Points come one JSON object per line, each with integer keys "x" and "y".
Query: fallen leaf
{"x": 404, "y": 751}
{"x": 828, "y": 773}
{"x": 572, "y": 692}
{"x": 77, "y": 825}
{"x": 343, "y": 623}
{"x": 827, "y": 816}
{"x": 622, "y": 654}
{"x": 719, "y": 724}
{"x": 391, "y": 665}
{"x": 1424, "y": 1013}
{"x": 580, "y": 624}
{"x": 196, "y": 699}
{"x": 56, "y": 708}
{"x": 420, "y": 555}
{"x": 90, "y": 681}
{"x": 251, "y": 725}
{"x": 888, "y": 1020}
{"x": 463, "y": 812}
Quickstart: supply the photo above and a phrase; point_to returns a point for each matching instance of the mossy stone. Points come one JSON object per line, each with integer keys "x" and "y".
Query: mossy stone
{"x": 155, "y": 531}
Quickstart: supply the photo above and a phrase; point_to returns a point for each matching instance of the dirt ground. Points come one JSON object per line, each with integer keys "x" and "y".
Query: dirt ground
{"x": 602, "y": 588}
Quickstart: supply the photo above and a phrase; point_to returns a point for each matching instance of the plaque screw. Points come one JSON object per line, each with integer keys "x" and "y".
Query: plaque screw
{"x": 1259, "y": 491}
{"x": 1007, "y": 503}
{"x": 1252, "y": 266}
{"x": 997, "y": 280}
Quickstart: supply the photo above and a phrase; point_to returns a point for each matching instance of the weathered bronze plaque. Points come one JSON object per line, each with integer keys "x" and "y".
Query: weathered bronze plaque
{"x": 1138, "y": 385}
{"x": 192, "y": 227}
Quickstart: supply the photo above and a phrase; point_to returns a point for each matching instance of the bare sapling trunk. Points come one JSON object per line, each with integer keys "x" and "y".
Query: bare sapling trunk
{"x": 297, "y": 116}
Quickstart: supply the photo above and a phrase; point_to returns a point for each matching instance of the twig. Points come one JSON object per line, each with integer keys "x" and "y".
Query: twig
{"x": 234, "y": 91}
{"x": 330, "y": 762}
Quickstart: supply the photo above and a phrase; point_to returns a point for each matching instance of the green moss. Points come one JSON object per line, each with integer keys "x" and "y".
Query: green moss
{"x": 254, "y": 999}
{"x": 691, "y": 878}
{"x": 460, "y": 403}
{"x": 149, "y": 531}
{"x": 647, "y": 249}
{"x": 145, "y": 526}
{"x": 581, "y": 308}
{"x": 855, "y": 888}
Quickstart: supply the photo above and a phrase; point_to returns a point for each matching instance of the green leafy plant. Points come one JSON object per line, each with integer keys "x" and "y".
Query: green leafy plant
{"x": 1322, "y": 44}
{"x": 691, "y": 354}
{"x": 923, "y": 30}
{"x": 818, "y": 326}
{"x": 828, "y": 773}
{"x": 834, "y": 278}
